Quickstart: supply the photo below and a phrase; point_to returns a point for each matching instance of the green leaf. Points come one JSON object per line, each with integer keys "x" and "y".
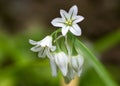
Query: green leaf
{"x": 99, "y": 68}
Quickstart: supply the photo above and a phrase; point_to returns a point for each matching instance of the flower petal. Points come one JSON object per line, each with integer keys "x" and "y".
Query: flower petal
{"x": 53, "y": 67}
{"x": 36, "y": 48}
{"x": 62, "y": 62}
{"x": 42, "y": 53}
{"x": 74, "y": 63}
{"x": 57, "y": 22}
{"x": 49, "y": 54}
{"x": 76, "y": 30}
{"x": 64, "y": 15}
{"x": 52, "y": 63}
{"x": 80, "y": 60}
{"x": 32, "y": 42}
{"x": 65, "y": 30}
{"x": 77, "y": 62}
{"x": 47, "y": 41}
{"x": 77, "y": 19}
{"x": 73, "y": 10}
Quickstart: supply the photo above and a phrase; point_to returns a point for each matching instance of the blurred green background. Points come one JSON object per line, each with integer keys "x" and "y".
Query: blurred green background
{"x": 21, "y": 20}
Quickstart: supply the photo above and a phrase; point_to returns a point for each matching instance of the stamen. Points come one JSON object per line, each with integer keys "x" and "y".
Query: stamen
{"x": 69, "y": 22}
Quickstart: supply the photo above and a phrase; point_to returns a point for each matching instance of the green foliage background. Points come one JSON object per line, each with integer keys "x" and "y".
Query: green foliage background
{"x": 21, "y": 67}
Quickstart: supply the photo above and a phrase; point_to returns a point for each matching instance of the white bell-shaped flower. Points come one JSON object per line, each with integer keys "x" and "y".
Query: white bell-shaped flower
{"x": 61, "y": 60}
{"x": 69, "y": 21}
{"x": 77, "y": 62}
{"x": 43, "y": 47}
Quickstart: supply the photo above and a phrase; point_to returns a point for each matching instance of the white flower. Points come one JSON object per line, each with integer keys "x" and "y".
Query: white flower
{"x": 61, "y": 60}
{"x": 77, "y": 62}
{"x": 69, "y": 21}
{"x": 43, "y": 47}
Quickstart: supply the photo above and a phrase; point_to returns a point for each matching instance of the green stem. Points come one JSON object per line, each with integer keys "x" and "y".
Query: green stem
{"x": 58, "y": 38}
{"x": 56, "y": 31}
{"x": 68, "y": 47}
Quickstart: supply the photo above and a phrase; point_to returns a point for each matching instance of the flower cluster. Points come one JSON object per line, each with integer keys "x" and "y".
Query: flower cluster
{"x": 60, "y": 49}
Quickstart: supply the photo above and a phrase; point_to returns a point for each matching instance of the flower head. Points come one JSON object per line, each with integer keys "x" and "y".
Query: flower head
{"x": 43, "y": 47}
{"x": 77, "y": 62}
{"x": 61, "y": 60}
{"x": 69, "y": 21}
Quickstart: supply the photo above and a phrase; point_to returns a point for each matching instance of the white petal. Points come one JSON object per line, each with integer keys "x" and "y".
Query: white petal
{"x": 42, "y": 53}
{"x": 64, "y": 14}
{"x": 49, "y": 54}
{"x": 53, "y": 67}
{"x": 76, "y": 30}
{"x": 52, "y": 63}
{"x": 57, "y": 22}
{"x": 77, "y": 19}
{"x": 32, "y": 42}
{"x": 36, "y": 48}
{"x": 80, "y": 61}
{"x": 65, "y": 30}
{"x": 47, "y": 41}
{"x": 73, "y": 10}
{"x": 74, "y": 63}
{"x": 77, "y": 62}
{"x": 62, "y": 62}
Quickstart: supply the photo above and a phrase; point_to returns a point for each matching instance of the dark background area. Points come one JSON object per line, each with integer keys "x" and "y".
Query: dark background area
{"x": 101, "y": 17}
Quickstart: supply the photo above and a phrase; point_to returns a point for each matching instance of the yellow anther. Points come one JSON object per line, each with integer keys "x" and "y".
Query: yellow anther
{"x": 69, "y": 22}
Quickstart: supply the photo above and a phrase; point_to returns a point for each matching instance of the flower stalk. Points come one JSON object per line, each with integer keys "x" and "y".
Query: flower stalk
{"x": 54, "y": 45}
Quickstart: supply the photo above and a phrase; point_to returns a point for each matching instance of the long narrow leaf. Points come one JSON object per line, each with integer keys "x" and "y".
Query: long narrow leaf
{"x": 81, "y": 48}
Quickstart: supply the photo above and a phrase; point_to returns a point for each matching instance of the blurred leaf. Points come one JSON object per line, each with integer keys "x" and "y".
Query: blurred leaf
{"x": 90, "y": 78}
{"x": 26, "y": 68}
{"x": 108, "y": 41}
{"x": 7, "y": 80}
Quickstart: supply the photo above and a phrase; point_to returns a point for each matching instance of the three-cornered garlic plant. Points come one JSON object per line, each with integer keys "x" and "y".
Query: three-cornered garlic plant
{"x": 60, "y": 48}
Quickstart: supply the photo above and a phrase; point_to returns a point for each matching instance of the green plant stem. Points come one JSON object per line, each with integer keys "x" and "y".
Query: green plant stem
{"x": 56, "y": 31}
